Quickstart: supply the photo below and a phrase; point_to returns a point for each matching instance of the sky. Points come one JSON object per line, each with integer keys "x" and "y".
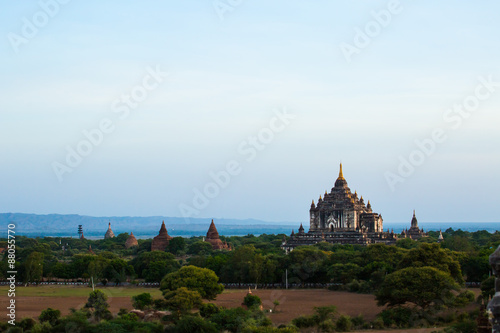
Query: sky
{"x": 244, "y": 109}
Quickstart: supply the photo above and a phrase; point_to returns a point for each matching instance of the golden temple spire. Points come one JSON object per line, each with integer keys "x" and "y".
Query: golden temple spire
{"x": 341, "y": 175}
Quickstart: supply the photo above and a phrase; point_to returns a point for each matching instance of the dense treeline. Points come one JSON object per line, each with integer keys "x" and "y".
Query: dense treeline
{"x": 257, "y": 260}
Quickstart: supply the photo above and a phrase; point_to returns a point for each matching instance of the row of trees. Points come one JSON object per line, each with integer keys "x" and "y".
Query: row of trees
{"x": 254, "y": 259}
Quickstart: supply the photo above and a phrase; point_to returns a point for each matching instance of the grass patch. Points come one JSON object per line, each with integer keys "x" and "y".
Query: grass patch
{"x": 75, "y": 291}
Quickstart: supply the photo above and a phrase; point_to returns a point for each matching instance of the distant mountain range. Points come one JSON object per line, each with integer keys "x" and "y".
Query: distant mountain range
{"x": 67, "y": 225}
{"x": 146, "y": 227}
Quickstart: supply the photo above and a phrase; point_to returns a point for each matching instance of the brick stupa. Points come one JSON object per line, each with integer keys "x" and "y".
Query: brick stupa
{"x": 214, "y": 240}
{"x": 109, "y": 233}
{"x": 131, "y": 241}
{"x": 160, "y": 242}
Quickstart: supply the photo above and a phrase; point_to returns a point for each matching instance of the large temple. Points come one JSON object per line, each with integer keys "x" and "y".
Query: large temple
{"x": 340, "y": 217}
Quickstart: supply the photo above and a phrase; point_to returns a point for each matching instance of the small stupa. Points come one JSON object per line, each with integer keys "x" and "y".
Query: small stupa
{"x": 109, "y": 233}
{"x": 131, "y": 241}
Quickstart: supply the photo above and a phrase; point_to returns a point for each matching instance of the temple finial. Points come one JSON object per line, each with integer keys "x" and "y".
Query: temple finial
{"x": 414, "y": 213}
{"x": 341, "y": 175}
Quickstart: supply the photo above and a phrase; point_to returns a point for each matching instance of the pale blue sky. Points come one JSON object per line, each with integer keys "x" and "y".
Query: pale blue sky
{"x": 225, "y": 79}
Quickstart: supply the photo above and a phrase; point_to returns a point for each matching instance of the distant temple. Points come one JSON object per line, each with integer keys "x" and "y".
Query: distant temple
{"x": 214, "y": 240}
{"x": 160, "y": 242}
{"x": 109, "y": 233}
{"x": 415, "y": 232}
{"x": 131, "y": 241}
{"x": 341, "y": 218}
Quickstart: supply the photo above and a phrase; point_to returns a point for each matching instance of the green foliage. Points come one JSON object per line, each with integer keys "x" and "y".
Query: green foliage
{"x": 142, "y": 301}
{"x": 464, "y": 298}
{"x": 202, "y": 280}
{"x": 343, "y": 273}
{"x": 97, "y": 301}
{"x": 193, "y": 324}
{"x": 252, "y": 300}
{"x": 344, "y": 324}
{"x": 153, "y": 266}
{"x": 488, "y": 288}
{"x": 307, "y": 264}
{"x": 33, "y": 267}
{"x": 304, "y": 321}
{"x": 42, "y": 327}
{"x": 208, "y": 309}
{"x": 49, "y": 315}
{"x": 422, "y": 286}
{"x": 230, "y": 319}
{"x": 431, "y": 255}
{"x": 182, "y": 299}
{"x": 200, "y": 247}
{"x": 399, "y": 317}
{"x": 176, "y": 245}
{"x": 27, "y": 323}
{"x": 130, "y": 317}
{"x": 323, "y": 318}
{"x": 466, "y": 326}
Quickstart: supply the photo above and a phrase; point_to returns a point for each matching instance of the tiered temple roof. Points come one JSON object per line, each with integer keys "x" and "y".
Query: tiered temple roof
{"x": 214, "y": 240}
{"x": 160, "y": 242}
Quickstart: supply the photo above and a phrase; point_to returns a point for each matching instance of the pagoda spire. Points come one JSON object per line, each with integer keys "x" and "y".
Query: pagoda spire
{"x": 341, "y": 174}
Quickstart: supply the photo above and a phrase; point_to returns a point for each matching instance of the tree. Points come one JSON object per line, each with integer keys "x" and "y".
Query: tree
{"x": 252, "y": 300}
{"x": 200, "y": 247}
{"x": 176, "y": 244}
{"x": 488, "y": 288}
{"x": 202, "y": 280}
{"x": 97, "y": 301}
{"x": 307, "y": 264}
{"x": 142, "y": 301}
{"x": 343, "y": 273}
{"x": 182, "y": 299}
{"x": 34, "y": 267}
{"x": 431, "y": 255}
{"x": 422, "y": 286}
{"x": 153, "y": 266}
{"x": 191, "y": 324}
{"x": 49, "y": 315}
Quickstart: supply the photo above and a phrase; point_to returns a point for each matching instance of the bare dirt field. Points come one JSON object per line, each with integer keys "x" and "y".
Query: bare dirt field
{"x": 297, "y": 302}
{"x": 293, "y": 303}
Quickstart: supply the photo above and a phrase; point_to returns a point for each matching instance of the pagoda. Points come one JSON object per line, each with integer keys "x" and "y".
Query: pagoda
{"x": 214, "y": 240}
{"x": 160, "y": 242}
{"x": 109, "y": 232}
{"x": 131, "y": 241}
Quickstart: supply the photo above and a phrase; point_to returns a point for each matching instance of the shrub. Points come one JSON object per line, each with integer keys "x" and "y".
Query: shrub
{"x": 27, "y": 323}
{"x": 252, "y": 301}
{"x": 130, "y": 317}
{"x": 467, "y": 326}
{"x": 191, "y": 324}
{"x": 142, "y": 301}
{"x": 464, "y": 298}
{"x": 358, "y": 321}
{"x": 304, "y": 321}
{"x": 398, "y": 316}
{"x": 49, "y": 315}
{"x": 208, "y": 309}
{"x": 344, "y": 324}
{"x": 44, "y": 327}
